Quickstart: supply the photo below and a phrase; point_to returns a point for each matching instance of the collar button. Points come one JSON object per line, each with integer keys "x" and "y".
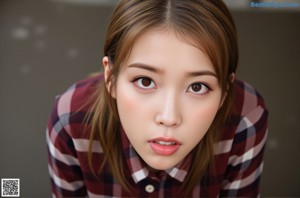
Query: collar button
{"x": 149, "y": 188}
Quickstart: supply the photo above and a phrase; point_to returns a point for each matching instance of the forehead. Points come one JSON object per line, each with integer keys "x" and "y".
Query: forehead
{"x": 163, "y": 47}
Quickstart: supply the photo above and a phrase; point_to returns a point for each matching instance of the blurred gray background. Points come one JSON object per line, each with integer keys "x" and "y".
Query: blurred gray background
{"x": 47, "y": 45}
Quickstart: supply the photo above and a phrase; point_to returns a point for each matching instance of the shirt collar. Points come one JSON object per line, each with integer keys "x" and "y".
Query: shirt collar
{"x": 138, "y": 167}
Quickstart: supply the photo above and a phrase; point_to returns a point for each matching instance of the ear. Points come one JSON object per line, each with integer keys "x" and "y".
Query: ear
{"x": 231, "y": 80}
{"x": 107, "y": 70}
{"x": 232, "y": 77}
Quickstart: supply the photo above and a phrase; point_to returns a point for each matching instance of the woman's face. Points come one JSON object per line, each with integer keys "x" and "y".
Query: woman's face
{"x": 167, "y": 96}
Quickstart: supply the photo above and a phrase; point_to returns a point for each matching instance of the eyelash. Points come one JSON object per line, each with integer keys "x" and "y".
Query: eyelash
{"x": 137, "y": 83}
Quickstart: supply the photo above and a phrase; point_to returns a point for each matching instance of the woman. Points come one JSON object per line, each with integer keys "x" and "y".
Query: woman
{"x": 167, "y": 118}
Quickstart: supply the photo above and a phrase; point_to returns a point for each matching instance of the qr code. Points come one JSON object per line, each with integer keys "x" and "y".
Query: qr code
{"x": 10, "y": 187}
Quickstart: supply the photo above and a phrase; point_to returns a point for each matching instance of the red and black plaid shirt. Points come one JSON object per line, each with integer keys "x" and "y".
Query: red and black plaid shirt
{"x": 238, "y": 155}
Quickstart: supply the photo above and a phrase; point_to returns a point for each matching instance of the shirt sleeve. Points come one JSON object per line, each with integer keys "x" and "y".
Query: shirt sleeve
{"x": 64, "y": 169}
{"x": 245, "y": 163}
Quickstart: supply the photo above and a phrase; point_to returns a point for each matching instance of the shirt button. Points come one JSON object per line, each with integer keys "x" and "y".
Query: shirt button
{"x": 149, "y": 188}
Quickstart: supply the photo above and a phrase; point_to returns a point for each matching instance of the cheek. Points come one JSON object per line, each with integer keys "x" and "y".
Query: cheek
{"x": 131, "y": 102}
{"x": 200, "y": 118}
{"x": 127, "y": 109}
{"x": 125, "y": 98}
{"x": 131, "y": 107}
{"x": 126, "y": 101}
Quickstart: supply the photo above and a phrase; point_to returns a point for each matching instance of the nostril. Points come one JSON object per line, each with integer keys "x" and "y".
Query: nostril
{"x": 168, "y": 123}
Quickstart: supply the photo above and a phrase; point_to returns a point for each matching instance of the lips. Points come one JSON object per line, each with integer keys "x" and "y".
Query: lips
{"x": 164, "y": 145}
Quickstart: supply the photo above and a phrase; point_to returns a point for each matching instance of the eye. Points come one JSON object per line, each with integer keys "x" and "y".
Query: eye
{"x": 144, "y": 83}
{"x": 198, "y": 88}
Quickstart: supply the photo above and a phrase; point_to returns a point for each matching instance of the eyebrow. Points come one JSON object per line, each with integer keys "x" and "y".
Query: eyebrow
{"x": 157, "y": 70}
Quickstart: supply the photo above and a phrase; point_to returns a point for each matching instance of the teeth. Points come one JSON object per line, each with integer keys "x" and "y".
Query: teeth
{"x": 165, "y": 143}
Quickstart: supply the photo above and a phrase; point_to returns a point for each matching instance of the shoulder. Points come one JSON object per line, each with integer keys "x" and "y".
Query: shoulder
{"x": 72, "y": 106}
{"x": 76, "y": 95}
{"x": 248, "y": 125}
{"x": 247, "y": 99}
{"x": 250, "y": 111}
{"x": 243, "y": 142}
{"x": 249, "y": 119}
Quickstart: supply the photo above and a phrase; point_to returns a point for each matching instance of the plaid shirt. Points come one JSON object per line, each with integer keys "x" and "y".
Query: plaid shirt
{"x": 238, "y": 154}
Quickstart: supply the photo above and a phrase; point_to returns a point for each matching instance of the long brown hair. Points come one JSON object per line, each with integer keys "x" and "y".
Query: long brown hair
{"x": 208, "y": 25}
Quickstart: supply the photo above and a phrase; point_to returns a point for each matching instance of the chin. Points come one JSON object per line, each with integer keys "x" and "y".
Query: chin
{"x": 160, "y": 165}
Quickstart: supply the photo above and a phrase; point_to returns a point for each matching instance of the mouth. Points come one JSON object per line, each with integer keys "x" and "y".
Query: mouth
{"x": 164, "y": 145}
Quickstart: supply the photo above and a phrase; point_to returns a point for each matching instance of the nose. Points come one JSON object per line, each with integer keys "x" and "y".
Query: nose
{"x": 169, "y": 111}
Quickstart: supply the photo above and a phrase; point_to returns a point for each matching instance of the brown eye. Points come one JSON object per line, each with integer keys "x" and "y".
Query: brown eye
{"x": 198, "y": 88}
{"x": 145, "y": 83}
